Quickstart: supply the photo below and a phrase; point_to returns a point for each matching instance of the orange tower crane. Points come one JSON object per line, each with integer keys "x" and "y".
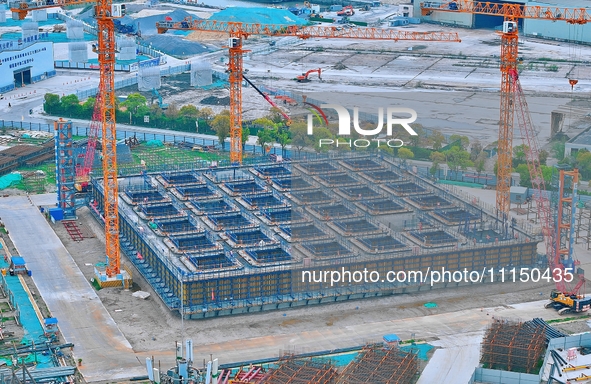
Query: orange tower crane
{"x": 104, "y": 115}
{"x": 105, "y": 12}
{"x": 240, "y": 31}
{"x": 509, "y": 60}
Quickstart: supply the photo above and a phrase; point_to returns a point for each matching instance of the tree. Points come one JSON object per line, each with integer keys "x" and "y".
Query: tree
{"x": 189, "y": 110}
{"x": 475, "y": 150}
{"x": 245, "y": 135}
{"x": 519, "y": 154}
{"x": 416, "y": 140}
{"x": 437, "y": 138}
{"x": 283, "y": 137}
{"x": 265, "y": 136}
{"x": 437, "y": 158}
{"x": 88, "y": 107}
{"x": 299, "y": 136}
{"x": 543, "y": 156}
{"x": 133, "y": 102}
{"x": 464, "y": 140}
{"x": 71, "y": 105}
{"x": 52, "y": 103}
{"x": 205, "y": 113}
{"x": 457, "y": 158}
{"x": 221, "y": 126}
{"x": 524, "y": 177}
{"x": 480, "y": 162}
{"x": 405, "y": 153}
{"x": 583, "y": 160}
{"x": 558, "y": 149}
{"x": 321, "y": 133}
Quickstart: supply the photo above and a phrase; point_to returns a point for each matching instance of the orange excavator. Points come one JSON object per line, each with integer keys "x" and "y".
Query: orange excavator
{"x": 304, "y": 77}
{"x": 346, "y": 11}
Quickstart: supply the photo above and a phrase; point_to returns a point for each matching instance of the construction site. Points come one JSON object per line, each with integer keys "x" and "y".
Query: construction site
{"x": 224, "y": 241}
{"x": 180, "y": 238}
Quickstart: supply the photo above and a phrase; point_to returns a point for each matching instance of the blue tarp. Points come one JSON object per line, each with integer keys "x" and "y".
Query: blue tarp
{"x": 18, "y": 261}
{"x": 258, "y": 15}
{"x": 391, "y": 338}
{"x": 10, "y": 180}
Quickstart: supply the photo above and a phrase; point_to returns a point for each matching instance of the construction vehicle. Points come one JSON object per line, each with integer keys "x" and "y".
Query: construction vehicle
{"x": 509, "y": 60}
{"x": 558, "y": 250}
{"x": 304, "y": 77}
{"x": 346, "y": 11}
{"x": 266, "y": 97}
{"x": 156, "y": 97}
{"x": 240, "y": 31}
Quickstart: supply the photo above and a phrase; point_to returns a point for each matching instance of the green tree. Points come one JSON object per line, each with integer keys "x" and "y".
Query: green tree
{"x": 405, "y": 153}
{"x": 205, "y": 114}
{"x": 189, "y": 110}
{"x": 133, "y": 102}
{"x": 464, "y": 140}
{"x": 559, "y": 150}
{"x": 475, "y": 150}
{"x": 457, "y": 159}
{"x": 524, "y": 177}
{"x": 519, "y": 154}
{"x": 52, "y": 103}
{"x": 221, "y": 126}
{"x": 321, "y": 133}
{"x": 416, "y": 140}
{"x": 543, "y": 156}
{"x": 245, "y": 135}
{"x": 480, "y": 162}
{"x": 583, "y": 160}
{"x": 299, "y": 136}
{"x": 71, "y": 105}
{"x": 265, "y": 136}
{"x": 437, "y": 158}
{"x": 283, "y": 137}
{"x": 437, "y": 138}
{"x": 88, "y": 107}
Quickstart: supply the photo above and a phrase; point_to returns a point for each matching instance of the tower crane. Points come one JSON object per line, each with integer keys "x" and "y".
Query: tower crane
{"x": 240, "y": 31}
{"x": 560, "y": 259}
{"x": 509, "y": 59}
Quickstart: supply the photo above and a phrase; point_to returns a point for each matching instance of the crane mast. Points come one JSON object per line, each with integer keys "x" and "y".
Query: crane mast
{"x": 106, "y": 59}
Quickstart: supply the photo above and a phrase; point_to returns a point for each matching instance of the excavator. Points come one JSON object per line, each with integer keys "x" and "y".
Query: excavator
{"x": 346, "y": 11}
{"x": 304, "y": 77}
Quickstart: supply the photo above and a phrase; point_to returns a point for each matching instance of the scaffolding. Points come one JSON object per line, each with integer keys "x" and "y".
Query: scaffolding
{"x": 513, "y": 346}
{"x": 65, "y": 168}
{"x": 294, "y": 371}
{"x": 299, "y": 223}
{"x": 377, "y": 364}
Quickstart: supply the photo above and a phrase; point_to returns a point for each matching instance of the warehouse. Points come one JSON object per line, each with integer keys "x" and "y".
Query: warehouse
{"x": 25, "y": 61}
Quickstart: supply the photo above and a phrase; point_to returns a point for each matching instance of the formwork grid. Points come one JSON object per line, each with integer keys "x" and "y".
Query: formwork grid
{"x": 293, "y": 371}
{"x": 376, "y": 364}
{"x": 513, "y": 346}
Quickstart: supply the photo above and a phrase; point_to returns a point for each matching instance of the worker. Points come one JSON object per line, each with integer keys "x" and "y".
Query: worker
{"x": 9, "y": 105}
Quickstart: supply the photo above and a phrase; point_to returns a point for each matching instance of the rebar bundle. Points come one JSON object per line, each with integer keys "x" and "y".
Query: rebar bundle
{"x": 513, "y": 346}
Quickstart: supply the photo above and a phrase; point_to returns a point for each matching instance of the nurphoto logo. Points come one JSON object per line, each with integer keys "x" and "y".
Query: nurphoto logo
{"x": 345, "y": 127}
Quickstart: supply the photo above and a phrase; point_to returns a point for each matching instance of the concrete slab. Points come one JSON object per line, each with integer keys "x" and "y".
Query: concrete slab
{"x": 105, "y": 352}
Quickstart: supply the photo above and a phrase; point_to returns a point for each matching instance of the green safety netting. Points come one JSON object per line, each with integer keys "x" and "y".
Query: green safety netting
{"x": 430, "y": 305}
{"x": 9, "y": 180}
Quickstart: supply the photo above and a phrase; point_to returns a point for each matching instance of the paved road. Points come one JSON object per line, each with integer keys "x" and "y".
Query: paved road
{"x": 105, "y": 352}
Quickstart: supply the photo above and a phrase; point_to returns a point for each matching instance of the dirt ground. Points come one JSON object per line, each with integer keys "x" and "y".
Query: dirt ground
{"x": 149, "y": 326}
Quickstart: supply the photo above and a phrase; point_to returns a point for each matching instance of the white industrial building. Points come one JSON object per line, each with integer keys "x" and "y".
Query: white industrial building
{"x": 25, "y": 61}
